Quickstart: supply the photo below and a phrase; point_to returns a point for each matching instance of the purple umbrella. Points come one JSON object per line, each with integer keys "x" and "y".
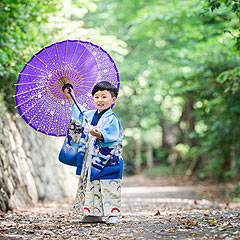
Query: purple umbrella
{"x": 39, "y": 96}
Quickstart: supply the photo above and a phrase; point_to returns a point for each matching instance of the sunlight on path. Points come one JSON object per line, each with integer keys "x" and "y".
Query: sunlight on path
{"x": 160, "y": 192}
{"x": 149, "y": 211}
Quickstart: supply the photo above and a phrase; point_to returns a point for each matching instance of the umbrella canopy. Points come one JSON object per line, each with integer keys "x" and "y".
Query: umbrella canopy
{"x": 39, "y": 96}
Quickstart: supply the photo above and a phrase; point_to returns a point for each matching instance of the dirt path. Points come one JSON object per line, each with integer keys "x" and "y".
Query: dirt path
{"x": 150, "y": 210}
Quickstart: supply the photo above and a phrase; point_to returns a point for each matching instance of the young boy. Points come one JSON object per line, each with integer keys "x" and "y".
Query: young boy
{"x": 99, "y": 158}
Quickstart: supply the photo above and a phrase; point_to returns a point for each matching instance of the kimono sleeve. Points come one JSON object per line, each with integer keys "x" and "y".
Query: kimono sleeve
{"x": 110, "y": 130}
{"x": 76, "y": 114}
{"x": 69, "y": 152}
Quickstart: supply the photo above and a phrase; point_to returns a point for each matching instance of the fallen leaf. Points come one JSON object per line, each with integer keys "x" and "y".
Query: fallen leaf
{"x": 194, "y": 223}
{"x": 157, "y": 213}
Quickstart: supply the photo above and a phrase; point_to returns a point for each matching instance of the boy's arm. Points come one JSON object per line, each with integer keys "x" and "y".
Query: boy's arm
{"x": 110, "y": 130}
{"x": 75, "y": 111}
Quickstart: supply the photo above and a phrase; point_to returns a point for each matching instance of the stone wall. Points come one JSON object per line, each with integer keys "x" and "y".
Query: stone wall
{"x": 29, "y": 166}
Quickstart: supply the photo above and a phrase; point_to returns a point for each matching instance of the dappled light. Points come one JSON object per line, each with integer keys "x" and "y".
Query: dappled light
{"x": 176, "y": 68}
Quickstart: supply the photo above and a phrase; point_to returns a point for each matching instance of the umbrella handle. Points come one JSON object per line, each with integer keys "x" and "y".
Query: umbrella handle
{"x": 69, "y": 86}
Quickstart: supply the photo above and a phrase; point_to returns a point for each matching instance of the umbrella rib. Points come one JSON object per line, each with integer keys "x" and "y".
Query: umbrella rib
{"x": 59, "y": 58}
{"x": 26, "y": 74}
{"x": 54, "y": 88}
{"x": 44, "y": 114}
{"x": 40, "y": 69}
{"x": 90, "y": 64}
{"x": 66, "y": 111}
{"x": 33, "y": 105}
{"x": 84, "y": 86}
{"x": 52, "y": 61}
{"x": 82, "y": 90}
{"x": 74, "y": 70}
{"x": 30, "y": 83}
{"x": 73, "y": 57}
{"x": 97, "y": 69}
{"x": 28, "y": 91}
{"x": 65, "y": 57}
{"x": 78, "y": 82}
{"x": 45, "y": 64}
{"x": 95, "y": 81}
{"x": 36, "y": 68}
{"x": 84, "y": 95}
{"x": 39, "y": 109}
{"x": 98, "y": 75}
{"x": 74, "y": 54}
{"x": 82, "y": 101}
{"x": 59, "y": 120}
{"x": 29, "y": 99}
{"x": 80, "y": 56}
{"x": 52, "y": 116}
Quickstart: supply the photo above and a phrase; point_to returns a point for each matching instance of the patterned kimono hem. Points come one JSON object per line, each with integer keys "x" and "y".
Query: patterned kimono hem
{"x": 101, "y": 198}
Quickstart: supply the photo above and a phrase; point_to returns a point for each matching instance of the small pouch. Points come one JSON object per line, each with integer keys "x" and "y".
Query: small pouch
{"x": 68, "y": 153}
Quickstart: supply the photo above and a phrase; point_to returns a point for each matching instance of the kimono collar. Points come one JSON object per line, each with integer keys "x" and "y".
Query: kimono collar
{"x": 96, "y": 116}
{"x": 102, "y": 112}
{"x": 105, "y": 114}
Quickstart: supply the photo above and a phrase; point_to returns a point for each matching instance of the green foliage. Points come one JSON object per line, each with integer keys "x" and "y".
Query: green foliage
{"x": 179, "y": 71}
{"x": 20, "y": 36}
{"x": 176, "y": 51}
{"x": 234, "y": 7}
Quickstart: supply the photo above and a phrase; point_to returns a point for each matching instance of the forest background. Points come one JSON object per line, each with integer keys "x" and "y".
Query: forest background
{"x": 178, "y": 60}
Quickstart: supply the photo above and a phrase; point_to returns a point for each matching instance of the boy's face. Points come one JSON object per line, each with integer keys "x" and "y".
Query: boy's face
{"x": 103, "y": 100}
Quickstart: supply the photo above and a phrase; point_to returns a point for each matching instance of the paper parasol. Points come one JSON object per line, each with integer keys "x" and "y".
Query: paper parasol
{"x": 39, "y": 96}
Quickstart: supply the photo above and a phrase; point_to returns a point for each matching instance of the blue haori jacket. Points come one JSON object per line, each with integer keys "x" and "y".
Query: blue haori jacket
{"x": 106, "y": 155}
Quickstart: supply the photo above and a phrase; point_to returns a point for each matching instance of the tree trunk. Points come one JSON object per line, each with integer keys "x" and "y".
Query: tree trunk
{"x": 163, "y": 125}
{"x": 149, "y": 156}
{"x": 138, "y": 156}
{"x": 191, "y": 120}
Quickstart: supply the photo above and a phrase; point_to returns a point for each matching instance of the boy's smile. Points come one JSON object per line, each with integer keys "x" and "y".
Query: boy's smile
{"x": 103, "y": 100}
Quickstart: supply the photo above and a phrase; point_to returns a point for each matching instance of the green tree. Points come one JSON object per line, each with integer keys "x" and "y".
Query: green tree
{"x": 21, "y": 34}
{"x": 176, "y": 50}
{"x": 179, "y": 93}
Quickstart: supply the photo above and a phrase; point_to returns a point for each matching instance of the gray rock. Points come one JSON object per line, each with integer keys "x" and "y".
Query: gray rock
{"x": 29, "y": 166}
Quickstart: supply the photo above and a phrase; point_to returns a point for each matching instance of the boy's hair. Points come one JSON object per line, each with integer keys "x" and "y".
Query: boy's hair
{"x": 104, "y": 85}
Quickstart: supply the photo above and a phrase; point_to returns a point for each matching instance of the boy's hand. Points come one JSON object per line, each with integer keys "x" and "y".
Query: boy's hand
{"x": 96, "y": 133}
{"x": 68, "y": 95}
